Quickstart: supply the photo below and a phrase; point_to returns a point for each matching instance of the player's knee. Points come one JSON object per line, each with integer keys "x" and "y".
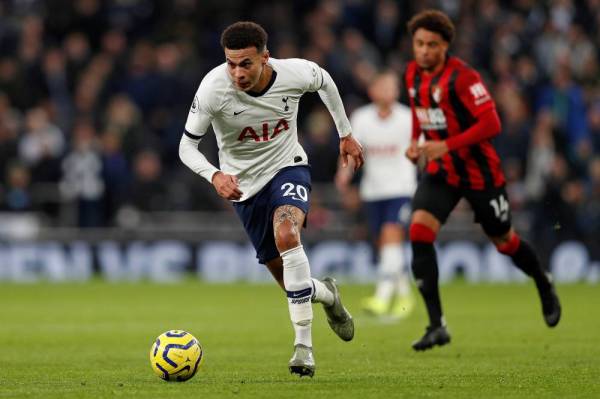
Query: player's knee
{"x": 286, "y": 237}
{"x": 421, "y": 233}
{"x": 391, "y": 233}
{"x": 508, "y": 245}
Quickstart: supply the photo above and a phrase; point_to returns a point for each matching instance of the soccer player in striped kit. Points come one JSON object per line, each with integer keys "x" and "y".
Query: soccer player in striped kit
{"x": 453, "y": 109}
{"x": 251, "y": 101}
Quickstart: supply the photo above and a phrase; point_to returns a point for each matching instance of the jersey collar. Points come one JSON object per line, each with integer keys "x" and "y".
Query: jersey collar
{"x": 267, "y": 87}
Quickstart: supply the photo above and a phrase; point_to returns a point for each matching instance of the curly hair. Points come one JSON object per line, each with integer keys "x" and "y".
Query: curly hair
{"x": 244, "y": 34}
{"x": 434, "y": 21}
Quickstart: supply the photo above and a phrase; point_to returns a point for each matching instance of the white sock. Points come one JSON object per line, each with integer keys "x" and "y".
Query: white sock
{"x": 389, "y": 271}
{"x": 403, "y": 285}
{"x": 299, "y": 288}
{"x": 321, "y": 293}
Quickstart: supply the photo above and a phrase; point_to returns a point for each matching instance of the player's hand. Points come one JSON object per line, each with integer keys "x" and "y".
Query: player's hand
{"x": 434, "y": 149}
{"x": 413, "y": 152}
{"x": 227, "y": 186}
{"x": 342, "y": 179}
{"x": 350, "y": 148}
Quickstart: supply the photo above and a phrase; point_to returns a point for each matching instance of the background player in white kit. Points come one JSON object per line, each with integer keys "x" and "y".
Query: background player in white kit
{"x": 252, "y": 103}
{"x": 388, "y": 182}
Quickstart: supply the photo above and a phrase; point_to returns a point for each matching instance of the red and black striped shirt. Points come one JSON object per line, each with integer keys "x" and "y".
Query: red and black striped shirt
{"x": 447, "y": 104}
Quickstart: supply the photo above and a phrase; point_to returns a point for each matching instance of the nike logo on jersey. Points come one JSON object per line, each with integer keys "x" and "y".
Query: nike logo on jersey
{"x": 239, "y": 112}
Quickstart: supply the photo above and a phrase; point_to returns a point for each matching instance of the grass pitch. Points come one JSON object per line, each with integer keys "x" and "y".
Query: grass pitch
{"x": 92, "y": 341}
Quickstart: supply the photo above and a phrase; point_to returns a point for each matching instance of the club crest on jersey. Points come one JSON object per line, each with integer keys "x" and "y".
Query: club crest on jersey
{"x": 267, "y": 134}
{"x": 436, "y": 93}
{"x": 285, "y": 100}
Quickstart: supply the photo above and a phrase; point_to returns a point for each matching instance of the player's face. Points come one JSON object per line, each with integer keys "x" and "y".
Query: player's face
{"x": 429, "y": 48}
{"x": 245, "y": 66}
{"x": 384, "y": 90}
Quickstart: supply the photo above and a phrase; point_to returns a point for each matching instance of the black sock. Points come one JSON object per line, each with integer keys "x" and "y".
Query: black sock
{"x": 425, "y": 270}
{"x": 527, "y": 261}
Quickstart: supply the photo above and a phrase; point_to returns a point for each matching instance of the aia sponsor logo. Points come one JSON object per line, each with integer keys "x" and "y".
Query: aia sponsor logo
{"x": 431, "y": 118}
{"x": 266, "y": 134}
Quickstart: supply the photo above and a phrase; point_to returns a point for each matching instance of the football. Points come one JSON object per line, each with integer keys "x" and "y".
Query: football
{"x": 176, "y": 355}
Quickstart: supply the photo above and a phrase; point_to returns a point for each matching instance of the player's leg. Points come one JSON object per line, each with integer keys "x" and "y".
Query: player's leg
{"x": 393, "y": 284}
{"x": 424, "y": 228}
{"x": 321, "y": 294}
{"x": 433, "y": 202}
{"x": 525, "y": 258}
{"x": 379, "y": 303}
{"x": 492, "y": 211}
{"x": 392, "y": 251}
{"x": 388, "y": 269}
{"x": 301, "y": 289}
{"x": 275, "y": 267}
{"x": 287, "y": 222}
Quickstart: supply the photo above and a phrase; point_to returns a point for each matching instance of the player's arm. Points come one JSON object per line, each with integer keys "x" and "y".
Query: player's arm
{"x": 199, "y": 119}
{"x": 344, "y": 174}
{"x": 227, "y": 186}
{"x": 350, "y": 148}
{"x": 475, "y": 97}
{"x": 486, "y": 127}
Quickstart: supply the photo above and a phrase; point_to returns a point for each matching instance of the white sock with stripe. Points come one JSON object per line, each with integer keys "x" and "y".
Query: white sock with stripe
{"x": 299, "y": 288}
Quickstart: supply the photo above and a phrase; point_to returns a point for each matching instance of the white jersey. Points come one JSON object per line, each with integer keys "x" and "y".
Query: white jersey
{"x": 257, "y": 135}
{"x": 387, "y": 172}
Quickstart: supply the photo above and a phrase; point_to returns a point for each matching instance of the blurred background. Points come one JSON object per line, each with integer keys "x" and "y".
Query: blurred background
{"x": 94, "y": 96}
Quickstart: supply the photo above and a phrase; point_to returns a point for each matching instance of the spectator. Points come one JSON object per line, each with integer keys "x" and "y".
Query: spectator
{"x": 82, "y": 182}
{"x": 42, "y": 146}
{"x": 16, "y": 196}
{"x": 148, "y": 191}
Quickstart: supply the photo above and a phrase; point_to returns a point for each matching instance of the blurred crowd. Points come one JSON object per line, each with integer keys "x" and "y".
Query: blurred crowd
{"x": 94, "y": 96}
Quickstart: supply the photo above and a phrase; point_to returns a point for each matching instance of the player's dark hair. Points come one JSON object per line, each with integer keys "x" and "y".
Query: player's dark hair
{"x": 244, "y": 34}
{"x": 433, "y": 21}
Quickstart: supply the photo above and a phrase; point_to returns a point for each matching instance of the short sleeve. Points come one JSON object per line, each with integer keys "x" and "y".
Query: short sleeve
{"x": 201, "y": 112}
{"x": 473, "y": 93}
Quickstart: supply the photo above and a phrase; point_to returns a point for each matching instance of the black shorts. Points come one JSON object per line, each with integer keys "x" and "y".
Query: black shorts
{"x": 490, "y": 206}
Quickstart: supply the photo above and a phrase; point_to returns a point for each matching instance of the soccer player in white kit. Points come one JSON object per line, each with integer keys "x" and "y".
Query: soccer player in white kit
{"x": 252, "y": 103}
{"x": 389, "y": 180}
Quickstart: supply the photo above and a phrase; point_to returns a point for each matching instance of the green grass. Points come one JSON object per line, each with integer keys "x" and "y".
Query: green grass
{"x": 92, "y": 340}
